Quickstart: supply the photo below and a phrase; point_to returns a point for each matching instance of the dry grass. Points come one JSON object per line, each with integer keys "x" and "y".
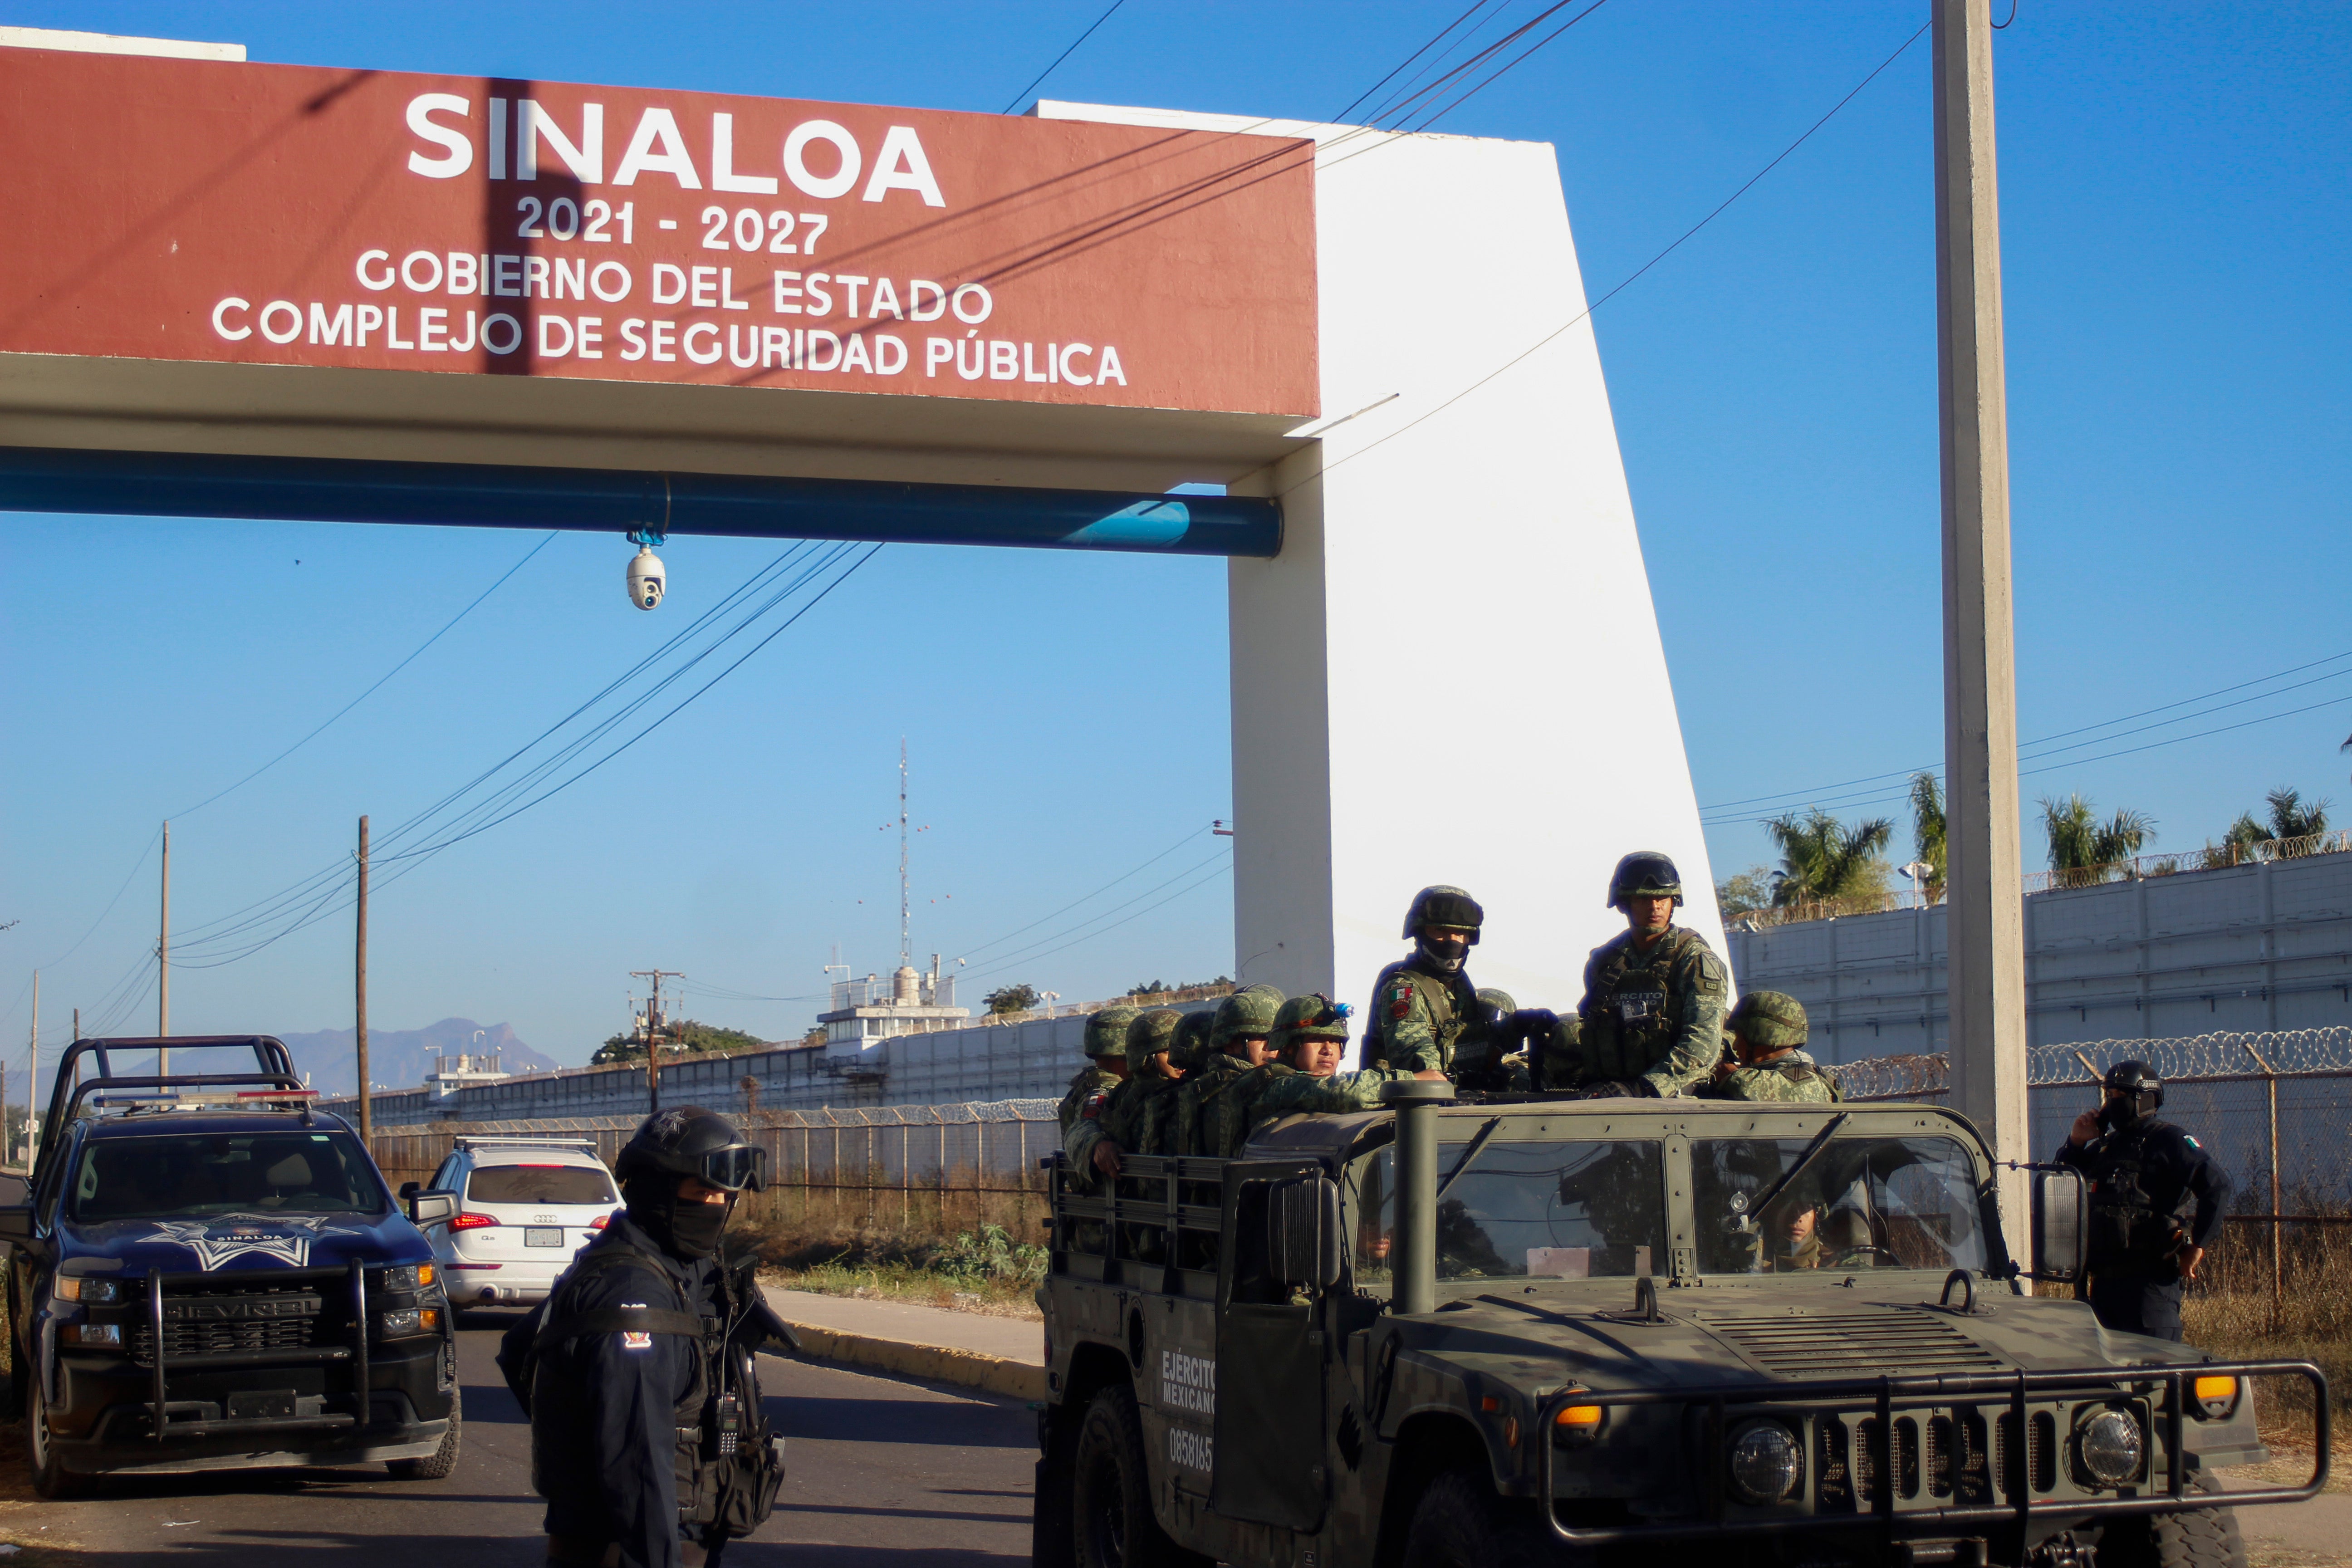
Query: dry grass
{"x": 2236, "y": 1313}
{"x": 968, "y": 1251}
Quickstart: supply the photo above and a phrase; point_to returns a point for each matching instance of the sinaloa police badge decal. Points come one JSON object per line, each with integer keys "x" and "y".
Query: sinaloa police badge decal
{"x": 285, "y": 1237}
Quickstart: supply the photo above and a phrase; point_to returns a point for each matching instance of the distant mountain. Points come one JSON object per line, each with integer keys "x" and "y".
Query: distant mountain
{"x": 399, "y": 1059}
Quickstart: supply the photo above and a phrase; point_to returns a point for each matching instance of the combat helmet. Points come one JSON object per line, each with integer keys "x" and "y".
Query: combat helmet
{"x": 688, "y": 1140}
{"x": 1444, "y": 906}
{"x": 1313, "y": 1016}
{"x": 1107, "y": 1031}
{"x": 1768, "y": 1020}
{"x": 1191, "y": 1047}
{"x": 1249, "y": 1011}
{"x": 1151, "y": 1033}
{"x": 2143, "y": 1091}
{"x": 1644, "y": 874}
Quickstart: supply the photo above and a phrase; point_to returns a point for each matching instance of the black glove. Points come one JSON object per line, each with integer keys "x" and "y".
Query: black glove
{"x": 1622, "y": 1088}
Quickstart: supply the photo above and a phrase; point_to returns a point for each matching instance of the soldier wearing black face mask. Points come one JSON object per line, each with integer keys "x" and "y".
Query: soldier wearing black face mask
{"x": 1425, "y": 1008}
{"x": 648, "y": 1439}
{"x": 2157, "y": 1200}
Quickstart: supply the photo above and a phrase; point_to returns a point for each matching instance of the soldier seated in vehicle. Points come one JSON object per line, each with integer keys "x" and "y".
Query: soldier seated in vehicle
{"x": 1767, "y": 1033}
{"x": 1651, "y": 1022}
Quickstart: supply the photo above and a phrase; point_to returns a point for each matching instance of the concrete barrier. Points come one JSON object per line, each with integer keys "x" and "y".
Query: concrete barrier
{"x": 935, "y": 1364}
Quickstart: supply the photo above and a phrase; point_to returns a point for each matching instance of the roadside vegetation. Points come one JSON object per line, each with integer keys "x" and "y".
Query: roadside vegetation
{"x": 982, "y": 1271}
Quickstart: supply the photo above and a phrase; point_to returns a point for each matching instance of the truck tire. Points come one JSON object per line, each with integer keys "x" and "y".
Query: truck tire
{"x": 437, "y": 1465}
{"x": 50, "y": 1478}
{"x": 1110, "y": 1492}
{"x": 2202, "y": 1538}
{"x": 1460, "y": 1522}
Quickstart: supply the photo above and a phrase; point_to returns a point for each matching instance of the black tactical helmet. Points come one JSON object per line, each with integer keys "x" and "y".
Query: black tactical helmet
{"x": 1444, "y": 906}
{"x": 2137, "y": 1082}
{"x": 1646, "y": 874}
{"x": 691, "y": 1142}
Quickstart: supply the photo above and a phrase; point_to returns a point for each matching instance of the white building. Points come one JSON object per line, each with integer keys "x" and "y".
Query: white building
{"x": 866, "y": 1013}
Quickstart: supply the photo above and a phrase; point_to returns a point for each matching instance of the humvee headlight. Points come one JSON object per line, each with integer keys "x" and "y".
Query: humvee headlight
{"x": 2215, "y": 1397}
{"x": 2111, "y": 1448}
{"x": 1767, "y": 1464}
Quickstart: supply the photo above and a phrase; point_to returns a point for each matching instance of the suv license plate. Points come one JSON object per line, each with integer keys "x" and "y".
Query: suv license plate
{"x": 543, "y": 1235}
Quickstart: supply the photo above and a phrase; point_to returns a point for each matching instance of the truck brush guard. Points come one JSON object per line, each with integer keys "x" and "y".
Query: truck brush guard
{"x": 354, "y": 1353}
{"x": 1808, "y": 1402}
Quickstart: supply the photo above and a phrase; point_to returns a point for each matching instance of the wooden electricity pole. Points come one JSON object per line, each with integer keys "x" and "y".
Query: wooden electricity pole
{"x": 1985, "y": 893}
{"x": 359, "y": 984}
{"x": 654, "y": 1022}
{"x": 163, "y": 963}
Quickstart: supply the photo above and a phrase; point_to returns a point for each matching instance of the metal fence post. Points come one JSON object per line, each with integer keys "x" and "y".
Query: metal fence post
{"x": 2278, "y": 1230}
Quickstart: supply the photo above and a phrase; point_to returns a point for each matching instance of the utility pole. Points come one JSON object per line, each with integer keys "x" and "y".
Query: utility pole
{"x": 33, "y": 1064}
{"x": 163, "y": 964}
{"x": 1984, "y": 891}
{"x": 359, "y": 998}
{"x": 906, "y": 938}
{"x": 654, "y": 1026}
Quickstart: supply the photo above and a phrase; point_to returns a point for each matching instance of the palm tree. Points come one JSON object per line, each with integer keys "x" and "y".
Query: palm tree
{"x": 1821, "y": 858}
{"x": 2082, "y": 847}
{"x": 2291, "y": 818}
{"x": 1927, "y": 831}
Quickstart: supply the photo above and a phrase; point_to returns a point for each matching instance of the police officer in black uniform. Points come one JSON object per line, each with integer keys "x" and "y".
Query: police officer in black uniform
{"x": 2156, "y": 1199}
{"x": 646, "y": 1436}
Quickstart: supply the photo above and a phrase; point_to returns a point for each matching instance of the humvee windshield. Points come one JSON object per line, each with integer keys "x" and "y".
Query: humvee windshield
{"x": 1577, "y": 1209}
{"x": 214, "y": 1172}
{"x": 1861, "y": 1202}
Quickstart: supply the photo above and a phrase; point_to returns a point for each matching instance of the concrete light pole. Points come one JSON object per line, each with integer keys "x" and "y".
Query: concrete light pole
{"x": 1984, "y": 889}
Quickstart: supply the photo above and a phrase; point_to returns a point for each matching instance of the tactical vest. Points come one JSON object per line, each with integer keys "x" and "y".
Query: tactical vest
{"x": 1135, "y": 1114}
{"x": 1196, "y": 1089}
{"x": 1448, "y": 1017}
{"x": 2127, "y": 1230}
{"x": 1635, "y": 1014}
{"x": 1809, "y": 1073}
{"x": 727, "y": 1464}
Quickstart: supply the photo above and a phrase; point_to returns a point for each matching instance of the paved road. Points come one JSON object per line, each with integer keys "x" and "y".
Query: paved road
{"x": 881, "y": 1474}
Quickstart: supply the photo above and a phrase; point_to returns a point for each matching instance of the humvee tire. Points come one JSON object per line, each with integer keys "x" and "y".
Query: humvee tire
{"x": 443, "y": 1459}
{"x": 1110, "y": 1492}
{"x": 2207, "y": 1538}
{"x": 1460, "y": 1522}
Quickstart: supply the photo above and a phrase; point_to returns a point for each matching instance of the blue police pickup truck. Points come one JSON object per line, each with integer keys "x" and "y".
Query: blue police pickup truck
{"x": 208, "y": 1273}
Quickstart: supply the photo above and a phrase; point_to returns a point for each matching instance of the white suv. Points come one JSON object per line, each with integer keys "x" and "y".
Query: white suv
{"x": 525, "y": 1207}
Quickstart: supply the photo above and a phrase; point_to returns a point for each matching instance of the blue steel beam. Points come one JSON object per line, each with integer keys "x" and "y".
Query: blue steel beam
{"x": 474, "y": 495}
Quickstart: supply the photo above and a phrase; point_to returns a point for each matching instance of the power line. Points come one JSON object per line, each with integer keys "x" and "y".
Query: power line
{"x": 1066, "y": 54}
{"x": 2029, "y": 754}
{"x": 1073, "y": 903}
{"x": 1629, "y": 279}
{"x": 1213, "y": 873}
{"x": 1029, "y": 954}
{"x": 371, "y": 691}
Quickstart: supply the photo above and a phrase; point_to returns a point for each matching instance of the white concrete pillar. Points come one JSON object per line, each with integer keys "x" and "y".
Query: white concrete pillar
{"x": 1451, "y": 673}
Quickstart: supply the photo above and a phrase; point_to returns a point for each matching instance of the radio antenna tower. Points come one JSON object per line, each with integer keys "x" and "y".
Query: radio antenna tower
{"x": 906, "y": 929}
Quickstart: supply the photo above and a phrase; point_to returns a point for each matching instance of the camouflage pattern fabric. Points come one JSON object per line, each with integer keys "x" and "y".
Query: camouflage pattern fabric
{"x": 1298, "y": 1092}
{"x": 1310, "y": 1016}
{"x": 1213, "y": 1077}
{"x": 1417, "y": 1018}
{"x": 1249, "y": 1011}
{"x": 1151, "y": 1034}
{"x": 1654, "y": 1014}
{"x": 1790, "y": 1076}
{"x": 1192, "y": 1047}
{"x": 1090, "y": 1081}
{"x": 1223, "y": 1122}
{"x": 1129, "y": 1117}
{"x": 1107, "y": 1031}
{"x": 1768, "y": 1020}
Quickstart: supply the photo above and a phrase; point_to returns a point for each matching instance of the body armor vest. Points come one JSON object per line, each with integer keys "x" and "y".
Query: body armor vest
{"x": 2127, "y": 1230}
{"x": 1452, "y": 1009}
{"x": 1637, "y": 1013}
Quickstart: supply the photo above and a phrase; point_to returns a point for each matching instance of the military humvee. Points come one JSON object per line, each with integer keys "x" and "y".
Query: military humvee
{"x": 1496, "y": 1334}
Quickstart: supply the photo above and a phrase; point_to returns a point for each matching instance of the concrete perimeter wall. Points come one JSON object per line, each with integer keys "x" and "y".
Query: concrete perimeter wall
{"x": 2258, "y": 948}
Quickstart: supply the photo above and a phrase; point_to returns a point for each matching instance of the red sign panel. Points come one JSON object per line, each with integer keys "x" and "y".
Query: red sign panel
{"x": 287, "y": 215}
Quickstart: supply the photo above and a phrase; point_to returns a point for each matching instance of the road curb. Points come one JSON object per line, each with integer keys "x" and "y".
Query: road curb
{"x": 937, "y": 1363}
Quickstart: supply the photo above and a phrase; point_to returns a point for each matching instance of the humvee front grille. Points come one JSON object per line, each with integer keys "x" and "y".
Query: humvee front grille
{"x": 1858, "y": 1343}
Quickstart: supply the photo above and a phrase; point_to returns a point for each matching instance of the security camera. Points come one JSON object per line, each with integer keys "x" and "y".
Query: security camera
{"x": 645, "y": 578}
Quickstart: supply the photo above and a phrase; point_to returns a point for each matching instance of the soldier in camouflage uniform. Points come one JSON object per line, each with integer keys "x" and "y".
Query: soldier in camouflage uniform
{"x": 1651, "y": 1019}
{"x": 1424, "y": 1007}
{"x": 1131, "y": 1118}
{"x": 1191, "y": 1052}
{"x": 1487, "y": 1057}
{"x": 1768, "y": 1033}
{"x": 1106, "y": 1048}
{"x": 1237, "y": 1042}
{"x": 1311, "y": 1034}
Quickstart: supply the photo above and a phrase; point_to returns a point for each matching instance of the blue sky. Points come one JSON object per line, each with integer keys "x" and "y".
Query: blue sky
{"x": 2175, "y": 226}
